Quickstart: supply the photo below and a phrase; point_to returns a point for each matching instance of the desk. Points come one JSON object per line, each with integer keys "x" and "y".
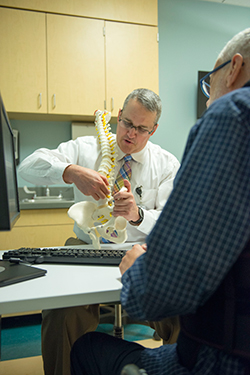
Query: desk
{"x": 62, "y": 286}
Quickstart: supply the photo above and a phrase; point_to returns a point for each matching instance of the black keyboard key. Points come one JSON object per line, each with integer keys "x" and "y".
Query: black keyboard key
{"x": 67, "y": 256}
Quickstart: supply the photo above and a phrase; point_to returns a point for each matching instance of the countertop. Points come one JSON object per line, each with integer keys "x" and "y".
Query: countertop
{"x": 48, "y": 204}
{"x": 59, "y": 197}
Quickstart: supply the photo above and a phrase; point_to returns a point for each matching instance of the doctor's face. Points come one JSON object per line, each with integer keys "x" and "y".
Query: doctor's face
{"x": 134, "y": 127}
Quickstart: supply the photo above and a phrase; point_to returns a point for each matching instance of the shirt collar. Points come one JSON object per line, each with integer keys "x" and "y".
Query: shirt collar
{"x": 139, "y": 157}
{"x": 247, "y": 84}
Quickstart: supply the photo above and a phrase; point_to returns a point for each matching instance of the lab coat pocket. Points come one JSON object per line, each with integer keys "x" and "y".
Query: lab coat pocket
{"x": 148, "y": 199}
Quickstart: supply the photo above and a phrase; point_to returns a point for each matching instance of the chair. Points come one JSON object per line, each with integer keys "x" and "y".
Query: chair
{"x": 113, "y": 314}
{"x": 166, "y": 329}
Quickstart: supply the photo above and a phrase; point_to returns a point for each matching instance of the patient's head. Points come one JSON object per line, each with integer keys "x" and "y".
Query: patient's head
{"x": 237, "y": 72}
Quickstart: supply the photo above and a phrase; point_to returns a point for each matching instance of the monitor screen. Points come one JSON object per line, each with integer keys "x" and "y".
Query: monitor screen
{"x": 9, "y": 203}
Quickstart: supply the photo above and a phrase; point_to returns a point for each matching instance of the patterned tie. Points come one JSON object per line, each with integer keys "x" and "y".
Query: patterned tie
{"x": 124, "y": 174}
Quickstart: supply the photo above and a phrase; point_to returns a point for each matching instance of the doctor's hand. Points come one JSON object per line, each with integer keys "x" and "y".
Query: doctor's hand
{"x": 88, "y": 181}
{"x": 125, "y": 204}
{"x": 131, "y": 256}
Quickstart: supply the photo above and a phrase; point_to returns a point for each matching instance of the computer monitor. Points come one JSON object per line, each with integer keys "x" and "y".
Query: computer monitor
{"x": 9, "y": 202}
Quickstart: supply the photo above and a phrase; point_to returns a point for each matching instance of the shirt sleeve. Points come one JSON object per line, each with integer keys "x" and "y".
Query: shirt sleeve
{"x": 46, "y": 167}
{"x": 204, "y": 225}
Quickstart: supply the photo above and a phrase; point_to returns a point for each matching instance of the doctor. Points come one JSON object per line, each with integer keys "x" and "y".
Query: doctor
{"x": 76, "y": 162}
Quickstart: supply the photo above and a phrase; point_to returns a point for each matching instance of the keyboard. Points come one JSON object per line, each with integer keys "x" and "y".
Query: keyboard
{"x": 64, "y": 255}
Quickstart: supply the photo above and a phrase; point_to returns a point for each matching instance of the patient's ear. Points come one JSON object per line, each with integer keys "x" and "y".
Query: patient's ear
{"x": 235, "y": 69}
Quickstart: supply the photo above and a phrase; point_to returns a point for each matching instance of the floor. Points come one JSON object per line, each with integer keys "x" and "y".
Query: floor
{"x": 33, "y": 365}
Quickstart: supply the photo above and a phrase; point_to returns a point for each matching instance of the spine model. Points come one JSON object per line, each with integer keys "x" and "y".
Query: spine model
{"x": 97, "y": 220}
{"x": 108, "y": 146}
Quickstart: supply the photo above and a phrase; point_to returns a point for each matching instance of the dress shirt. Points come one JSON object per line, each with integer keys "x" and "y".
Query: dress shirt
{"x": 152, "y": 168}
{"x": 203, "y": 228}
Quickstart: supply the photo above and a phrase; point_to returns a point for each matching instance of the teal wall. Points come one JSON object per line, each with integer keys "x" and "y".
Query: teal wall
{"x": 192, "y": 33}
{"x": 37, "y": 134}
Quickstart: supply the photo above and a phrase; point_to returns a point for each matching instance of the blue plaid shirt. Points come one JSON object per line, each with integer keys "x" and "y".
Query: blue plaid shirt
{"x": 202, "y": 229}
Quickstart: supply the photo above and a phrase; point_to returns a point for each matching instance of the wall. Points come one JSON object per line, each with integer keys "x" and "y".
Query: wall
{"x": 192, "y": 33}
{"x": 37, "y": 134}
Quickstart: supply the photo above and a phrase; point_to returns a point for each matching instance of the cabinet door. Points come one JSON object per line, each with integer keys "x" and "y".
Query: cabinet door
{"x": 136, "y": 11}
{"x": 76, "y": 77}
{"x": 38, "y": 228}
{"x": 23, "y": 61}
{"x": 131, "y": 61}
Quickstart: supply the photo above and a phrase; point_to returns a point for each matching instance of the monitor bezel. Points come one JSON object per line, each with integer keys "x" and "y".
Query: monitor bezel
{"x": 6, "y": 221}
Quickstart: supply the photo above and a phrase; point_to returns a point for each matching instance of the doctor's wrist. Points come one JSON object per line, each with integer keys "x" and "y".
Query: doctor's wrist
{"x": 141, "y": 217}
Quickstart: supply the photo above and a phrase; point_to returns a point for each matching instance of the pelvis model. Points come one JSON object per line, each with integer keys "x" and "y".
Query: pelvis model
{"x": 97, "y": 220}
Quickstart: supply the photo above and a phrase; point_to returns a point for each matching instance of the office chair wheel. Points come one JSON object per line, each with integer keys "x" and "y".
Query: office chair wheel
{"x": 132, "y": 370}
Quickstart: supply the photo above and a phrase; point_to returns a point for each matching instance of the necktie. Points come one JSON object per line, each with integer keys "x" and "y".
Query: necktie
{"x": 124, "y": 174}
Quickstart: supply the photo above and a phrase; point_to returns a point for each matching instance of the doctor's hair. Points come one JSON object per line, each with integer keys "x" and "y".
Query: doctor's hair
{"x": 240, "y": 43}
{"x": 149, "y": 99}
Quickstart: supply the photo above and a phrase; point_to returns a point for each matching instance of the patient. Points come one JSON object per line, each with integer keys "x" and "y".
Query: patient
{"x": 198, "y": 252}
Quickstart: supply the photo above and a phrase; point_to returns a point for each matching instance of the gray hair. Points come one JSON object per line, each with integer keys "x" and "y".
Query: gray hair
{"x": 149, "y": 99}
{"x": 240, "y": 43}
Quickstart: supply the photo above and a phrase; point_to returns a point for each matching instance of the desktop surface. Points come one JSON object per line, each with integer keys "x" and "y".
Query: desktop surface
{"x": 63, "y": 286}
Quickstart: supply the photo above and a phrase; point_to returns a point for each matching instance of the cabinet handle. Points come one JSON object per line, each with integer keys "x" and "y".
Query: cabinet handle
{"x": 112, "y": 104}
{"x": 54, "y": 100}
{"x": 40, "y": 100}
